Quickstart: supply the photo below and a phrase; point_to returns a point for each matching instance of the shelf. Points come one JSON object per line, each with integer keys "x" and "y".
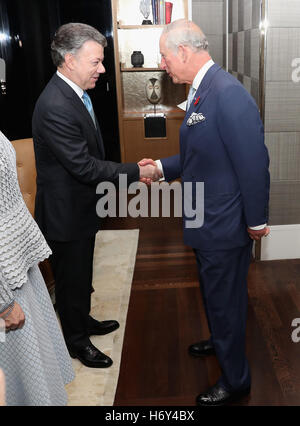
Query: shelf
{"x": 174, "y": 113}
{"x": 140, "y": 69}
{"x": 138, "y": 27}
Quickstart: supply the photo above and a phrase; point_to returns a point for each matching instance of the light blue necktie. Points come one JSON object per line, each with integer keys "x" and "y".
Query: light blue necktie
{"x": 89, "y": 106}
{"x": 190, "y": 97}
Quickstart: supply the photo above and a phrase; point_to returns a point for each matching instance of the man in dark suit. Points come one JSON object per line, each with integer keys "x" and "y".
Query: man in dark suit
{"x": 222, "y": 145}
{"x": 70, "y": 162}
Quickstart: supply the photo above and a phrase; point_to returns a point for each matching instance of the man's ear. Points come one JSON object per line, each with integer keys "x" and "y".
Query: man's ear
{"x": 69, "y": 61}
{"x": 183, "y": 53}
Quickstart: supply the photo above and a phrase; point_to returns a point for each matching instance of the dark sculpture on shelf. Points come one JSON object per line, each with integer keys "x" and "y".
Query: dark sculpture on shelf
{"x": 137, "y": 59}
{"x": 153, "y": 91}
{"x": 145, "y": 10}
{"x": 155, "y": 124}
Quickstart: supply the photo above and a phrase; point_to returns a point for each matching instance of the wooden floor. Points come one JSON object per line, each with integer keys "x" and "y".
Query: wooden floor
{"x": 166, "y": 315}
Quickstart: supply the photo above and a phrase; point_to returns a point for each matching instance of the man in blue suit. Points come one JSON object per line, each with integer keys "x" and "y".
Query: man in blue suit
{"x": 221, "y": 145}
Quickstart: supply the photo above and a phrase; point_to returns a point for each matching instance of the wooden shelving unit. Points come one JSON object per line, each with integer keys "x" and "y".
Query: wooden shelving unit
{"x": 129, "y": 36}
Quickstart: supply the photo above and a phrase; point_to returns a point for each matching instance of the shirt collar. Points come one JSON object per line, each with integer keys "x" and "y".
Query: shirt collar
{"x": 201, "y": 74}
{"x": 71, "y": 83}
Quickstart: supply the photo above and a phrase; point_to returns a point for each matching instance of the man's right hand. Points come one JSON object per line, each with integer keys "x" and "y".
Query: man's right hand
{"x": 147, "y": 161}
{"x": 149, "y": 171}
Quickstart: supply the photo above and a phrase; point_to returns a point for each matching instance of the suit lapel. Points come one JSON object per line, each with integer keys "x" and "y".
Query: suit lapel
{"x": 203, "y": 89}
{"x": 199, "y": 98}
{"x": 100, "y": 140}
{"x": 80, "y": 107}
{"x": 77, "y": 102}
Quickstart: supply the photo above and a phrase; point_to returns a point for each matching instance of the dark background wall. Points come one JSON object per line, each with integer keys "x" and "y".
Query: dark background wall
{"x": 29, "y": 26}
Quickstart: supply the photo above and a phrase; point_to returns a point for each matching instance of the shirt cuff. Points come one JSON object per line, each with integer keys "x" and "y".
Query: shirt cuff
{"x": 258, "y": 228}
{"x": 160, "y": 168}
{"x": 3, "y": 307}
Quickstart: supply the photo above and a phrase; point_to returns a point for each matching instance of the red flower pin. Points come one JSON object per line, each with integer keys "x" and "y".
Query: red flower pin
{"x": 197, "y": 101}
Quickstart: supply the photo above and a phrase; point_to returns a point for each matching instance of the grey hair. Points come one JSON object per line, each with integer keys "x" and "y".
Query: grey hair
{"x": 70, "y": 38}
{"x": 186, "y": 33}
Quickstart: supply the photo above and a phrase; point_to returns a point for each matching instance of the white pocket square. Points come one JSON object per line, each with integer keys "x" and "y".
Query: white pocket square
{"x": 195, "y": 119}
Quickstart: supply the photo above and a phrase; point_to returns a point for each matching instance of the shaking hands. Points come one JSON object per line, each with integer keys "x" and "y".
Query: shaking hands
{"x": 149, "y": 172}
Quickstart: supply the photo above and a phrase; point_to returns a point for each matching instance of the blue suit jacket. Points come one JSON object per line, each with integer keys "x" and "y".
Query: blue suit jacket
{"x": 226, "y": 151}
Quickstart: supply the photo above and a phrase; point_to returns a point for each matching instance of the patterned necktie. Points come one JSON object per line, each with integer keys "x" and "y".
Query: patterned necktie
{"x": 89, "y": 106}
{"x": 190, "y": 97}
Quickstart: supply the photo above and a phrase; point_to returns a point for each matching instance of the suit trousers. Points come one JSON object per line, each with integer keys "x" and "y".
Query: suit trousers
{"x": 72, "y": 265}
{"x": 223, "y": 283}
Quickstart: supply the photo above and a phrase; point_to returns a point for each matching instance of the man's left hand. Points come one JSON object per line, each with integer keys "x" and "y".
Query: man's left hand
{"x": 257, "y": 235}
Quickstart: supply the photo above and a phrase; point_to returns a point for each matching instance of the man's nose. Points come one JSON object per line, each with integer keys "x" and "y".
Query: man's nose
{"x": 101, "y": 69}
{"x": 163, "y": 64}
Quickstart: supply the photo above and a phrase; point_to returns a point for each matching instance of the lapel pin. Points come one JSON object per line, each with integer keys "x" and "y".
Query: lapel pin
{"x": 197, "y": 101}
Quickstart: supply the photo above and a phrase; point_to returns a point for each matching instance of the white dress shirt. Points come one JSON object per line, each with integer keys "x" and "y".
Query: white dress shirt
{"x": 71, "y": 83}
{"x": 201, "y": 74}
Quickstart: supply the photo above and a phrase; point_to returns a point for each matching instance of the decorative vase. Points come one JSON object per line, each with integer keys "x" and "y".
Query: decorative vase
{"x": 137, "y": 59}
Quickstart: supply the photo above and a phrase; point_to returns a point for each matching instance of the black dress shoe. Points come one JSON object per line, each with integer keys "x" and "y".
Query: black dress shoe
{"x": 202, "y": 349}
{"x": 97, "y": 328}
{"x": 91, "y": 357}
{"x": 217, "y": 395}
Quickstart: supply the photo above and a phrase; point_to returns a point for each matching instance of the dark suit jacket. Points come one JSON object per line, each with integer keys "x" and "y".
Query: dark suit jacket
{"x": 70, "y": 164}
{"x": 226, "y": 151}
